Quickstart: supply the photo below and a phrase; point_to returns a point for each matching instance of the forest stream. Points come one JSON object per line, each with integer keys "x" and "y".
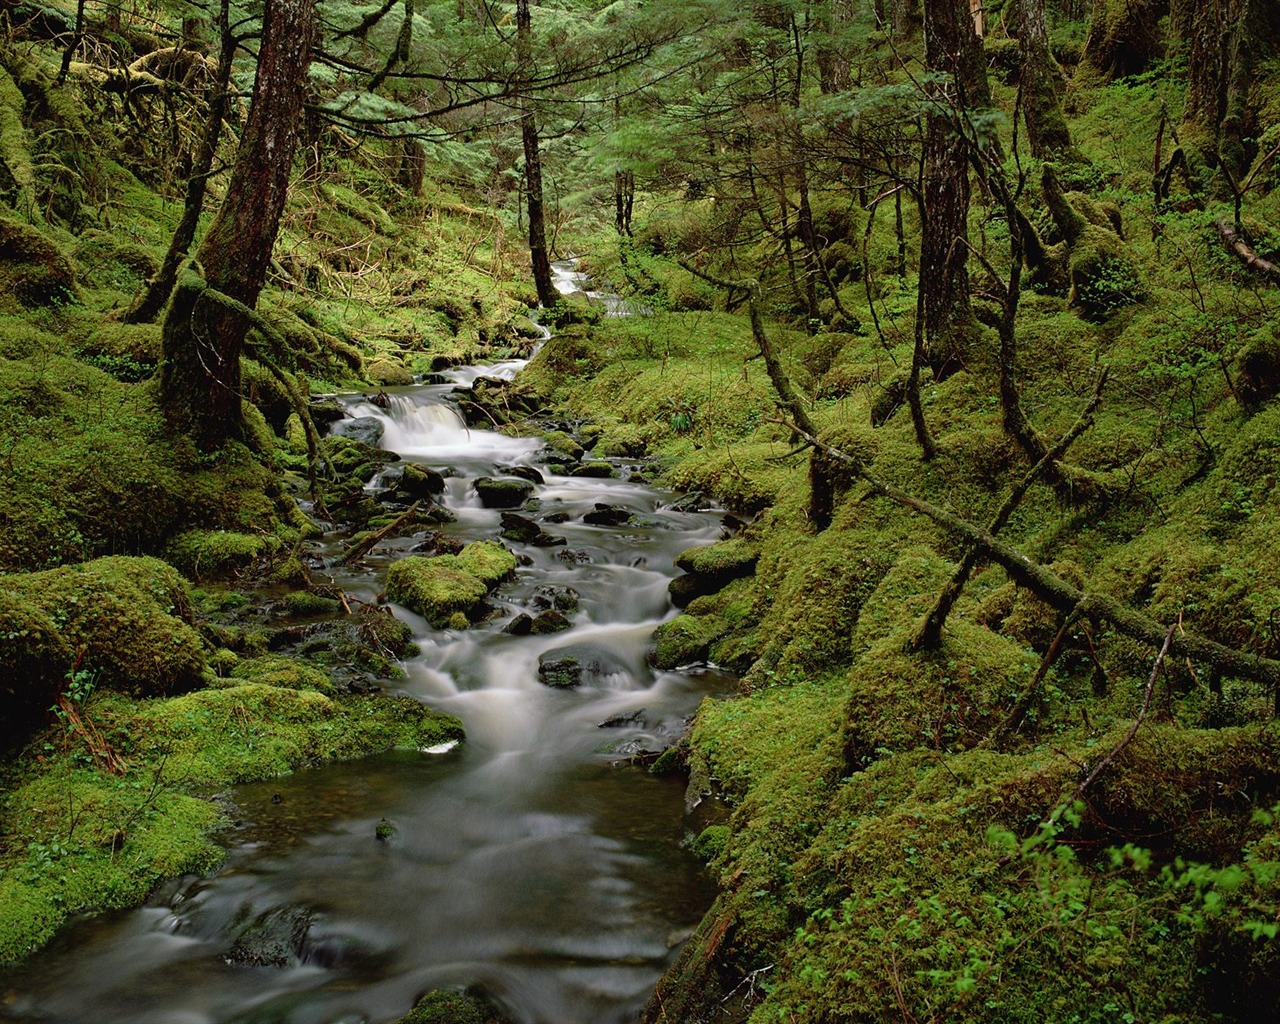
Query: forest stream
{"x": 531, "y": 863}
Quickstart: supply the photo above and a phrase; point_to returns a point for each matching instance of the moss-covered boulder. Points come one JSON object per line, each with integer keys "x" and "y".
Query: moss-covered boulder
{"x": 447, "y": 589}
{"x": 388, "y": 373}
{"x": 131, "y": 616}
{"x": 489, "y": 562}
{"x": 33, "y": 270}
{"x": 685, "y": 639}
{"x": 34, "y": 661}
{"x": 436, "y": 588}
{"x": 446, "y": 1008}
{"x": 502, "y": 492}
{"x": 420, "y": 483}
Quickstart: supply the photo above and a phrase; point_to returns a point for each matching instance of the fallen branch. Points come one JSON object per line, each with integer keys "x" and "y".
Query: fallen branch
{"x": 1243, "y": 251}
{"x": 1137, "y": 722}
{"x": 360, "y": 547}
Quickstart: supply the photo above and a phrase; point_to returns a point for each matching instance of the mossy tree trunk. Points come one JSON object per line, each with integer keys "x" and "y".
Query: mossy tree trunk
{"x": 148, "y": 303}
{"x": 1222, "y": 39}
{"x": 200, "y": 382}
{"x": 538, "y": 256}
{"x": 1042, "y": 83}
{"x": 1124, "y": 36}
{"x": 954, "y": 51}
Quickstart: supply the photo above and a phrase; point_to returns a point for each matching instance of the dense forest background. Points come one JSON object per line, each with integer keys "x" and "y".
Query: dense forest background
{"x": 965, "y": 311}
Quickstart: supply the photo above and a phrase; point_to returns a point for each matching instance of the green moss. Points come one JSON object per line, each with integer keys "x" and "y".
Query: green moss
{"x": 685, "y": 640}
{"x": 34, "y": 662}
{"x": 488, "y": 561}
{"x": 710, "y": 842}
{"x": 210, "y": 554}
{"x": 726, "y": 559}
{"x": 445, "y": 1008}
{"x": 278, "y": 670}
{"x": 303, "y": 604}
{"x": 34, "y": 271}
{"x": 129, "y": 615}
{"x": 438, "y": 589}
{"x": 388, "y": 373}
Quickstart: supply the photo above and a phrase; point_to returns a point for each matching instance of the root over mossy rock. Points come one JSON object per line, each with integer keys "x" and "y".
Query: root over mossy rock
{"x": 32, "y": 269}
{"x": 34, "y": 661}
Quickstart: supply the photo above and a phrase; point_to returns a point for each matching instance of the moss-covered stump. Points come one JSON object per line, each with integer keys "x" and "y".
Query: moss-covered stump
{"x": 447, "y": 589}
{"x": 33, "y": 270}
{"x": 131, "y": 618}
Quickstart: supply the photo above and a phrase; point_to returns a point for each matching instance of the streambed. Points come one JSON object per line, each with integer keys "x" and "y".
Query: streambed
{"x": 529, "y": 863}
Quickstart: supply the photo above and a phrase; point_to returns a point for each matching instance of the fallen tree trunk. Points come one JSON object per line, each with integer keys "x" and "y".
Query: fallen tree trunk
{"x": 1060, "y": 594}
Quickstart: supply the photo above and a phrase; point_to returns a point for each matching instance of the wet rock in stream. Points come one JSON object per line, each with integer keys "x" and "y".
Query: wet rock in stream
{"x": 274, "y": 938}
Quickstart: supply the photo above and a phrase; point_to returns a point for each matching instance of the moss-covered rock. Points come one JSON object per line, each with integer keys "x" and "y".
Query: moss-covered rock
{"x": 33, "y": 270}
{"x": 502, "y": 492}
{"x": 216, "y": 554}
{"x": 685, "y": 639}
{"x": 278, "y": 670}
{"x": 130, "y": 616}
{"x": 446, "y": 1008}
{"x": 489, "y": 562}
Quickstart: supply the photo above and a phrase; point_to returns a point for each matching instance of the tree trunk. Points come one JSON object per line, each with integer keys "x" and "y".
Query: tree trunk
{"x": 1221, "y": 39}
{"x": 1124, "y": 37}
{"x": 547, "y": 294}
{"x": 1042, "y": 84}
{"x": 200, "y": 382}
{"x": 412, "y": 171}
{"x": 952, "y": 49}
{"x": 155, "y": 293}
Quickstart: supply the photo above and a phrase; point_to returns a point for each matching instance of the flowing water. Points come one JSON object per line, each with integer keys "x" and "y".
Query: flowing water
{"x": 526, "y": 863}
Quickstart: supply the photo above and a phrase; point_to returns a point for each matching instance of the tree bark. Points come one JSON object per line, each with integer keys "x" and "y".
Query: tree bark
{"x": 1042, "y": 84}
{"x": 200, "y": 382}
{"x": 155, "y": 293}
{"x": 952, "y": 49}
{"x": 547, "y": 294}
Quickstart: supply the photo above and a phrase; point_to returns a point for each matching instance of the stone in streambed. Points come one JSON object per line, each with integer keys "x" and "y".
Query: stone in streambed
{"x": 274, "y": 938}
{"x": 521, "y": 625}
{"x": 365, "y": 429}
{"x": 525, "y": 531}
{"x": 607, "y": 515}
{"x": 599, "y": 470}
{"x": 559, "y": 673}
{"x": 562, "y": 599}
{"x": 550, "y": 621}
{"x": 420, "y": 483}
{"x": 523, "y": 472}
